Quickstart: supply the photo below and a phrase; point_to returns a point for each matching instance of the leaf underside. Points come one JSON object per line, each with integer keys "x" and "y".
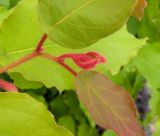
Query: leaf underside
{"x": 110, "y": 106}
{"x": 139, "y": 9}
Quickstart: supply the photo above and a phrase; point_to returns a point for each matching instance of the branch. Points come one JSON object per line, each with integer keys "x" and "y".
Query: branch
{"x": 39, "y": 48}
{"x": 36, "y": 53}
{"x": 56, "y": 59}
{"x": 28, "y": 57}
{"x": 18, "y": 62}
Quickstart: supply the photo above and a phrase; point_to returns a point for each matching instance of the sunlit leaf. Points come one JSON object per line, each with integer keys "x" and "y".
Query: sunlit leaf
{"x": 21, "y": 115}
{"x": 80, "y": 23}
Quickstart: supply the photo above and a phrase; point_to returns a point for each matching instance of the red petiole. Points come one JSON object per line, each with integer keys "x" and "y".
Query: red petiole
{"x": 38, "y": 52}
{"x": 85, "y": 61}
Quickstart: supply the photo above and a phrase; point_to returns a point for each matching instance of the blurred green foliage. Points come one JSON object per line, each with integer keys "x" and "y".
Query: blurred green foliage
{"x": 8, "y": 3}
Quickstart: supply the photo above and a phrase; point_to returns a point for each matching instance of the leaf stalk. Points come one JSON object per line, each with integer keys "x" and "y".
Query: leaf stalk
{"x": 37, "y": 52}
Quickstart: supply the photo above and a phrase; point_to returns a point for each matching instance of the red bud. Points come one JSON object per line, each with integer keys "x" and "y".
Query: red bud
{"x": 85, "y": 61}
{"x": 8, "y": 86}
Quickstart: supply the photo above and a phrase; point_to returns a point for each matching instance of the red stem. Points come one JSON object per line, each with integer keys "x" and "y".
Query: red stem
{"x": 37, "y": 52}
{"x": 68, "y": 68}
{"x": 52, "y": 58}
{"x": 39, "y": 48}
{"x": 18, "y": 62}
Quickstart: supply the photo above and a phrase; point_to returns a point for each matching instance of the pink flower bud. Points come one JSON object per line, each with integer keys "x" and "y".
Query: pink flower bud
{"x": 85, "y": 61}
{"x": 8, "y": 86}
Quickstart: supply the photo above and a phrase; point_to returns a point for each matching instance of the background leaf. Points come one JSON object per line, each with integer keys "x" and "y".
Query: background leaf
{"x": 22, "y": 83}
{"x": 85, "y": 130}
{"x": 139, "y": 9}
{"x": 148, "y": 63}
{"x": 68, "y": 122}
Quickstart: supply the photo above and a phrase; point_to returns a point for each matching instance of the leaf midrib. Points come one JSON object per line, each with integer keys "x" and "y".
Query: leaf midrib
{"x": 27, "y": 49}
{"x": 107, "y": 105}
{"x": 72, "y": 12}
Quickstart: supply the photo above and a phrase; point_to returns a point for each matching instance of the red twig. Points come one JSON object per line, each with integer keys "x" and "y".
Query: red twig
{"x": 36, "y": 53}
{"x": 68, "y": 68}
{"x": 28, "y": 57}
{"x": 18, "y": 62}
{"x": 39, "y": 48}
{"x": 52, "y": 58}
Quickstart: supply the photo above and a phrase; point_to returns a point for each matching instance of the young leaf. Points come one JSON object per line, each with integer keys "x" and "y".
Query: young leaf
{"x": 139, "y": 9}
{"x": 8, "y": 86}
{"x": 85, "y": 61}
{"x": 110, "y": 105}
{"x": 21, "y": 115}
{"x": 80, "y": 23}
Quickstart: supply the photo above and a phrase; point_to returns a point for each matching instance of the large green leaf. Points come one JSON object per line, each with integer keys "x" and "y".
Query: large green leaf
{"x": 79, "y": 23}
{"x": 108, "y": 103}
{"x": 21, "y": 115}
{"x": 118, "y": 48}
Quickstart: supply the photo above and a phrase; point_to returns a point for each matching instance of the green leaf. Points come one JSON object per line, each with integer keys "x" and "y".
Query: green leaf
{"x": 21, "y": 115}
{"x": 85, "y": 130}
{"x": 80, "y": 23}
{"x": 72, "y": 102}
{"x": 157, "y": 131}
{"x": 154, "y": 103}
{"x": 38, "y": 97}
{"x": 148, "y": 63}
{"x": 13, "y": 3}
{"x": 109, "y": 133}
{"x": 4, "y": 13}
{"x": 58, "y": 107}
{"x": 118, "y": 48}
{"x": 108, "y": 104}
{"x": 4, "y": 3}
{"x": 22, "y": 83}
{"x": 151, "y": 22}
{"x": 68, "y": 122}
